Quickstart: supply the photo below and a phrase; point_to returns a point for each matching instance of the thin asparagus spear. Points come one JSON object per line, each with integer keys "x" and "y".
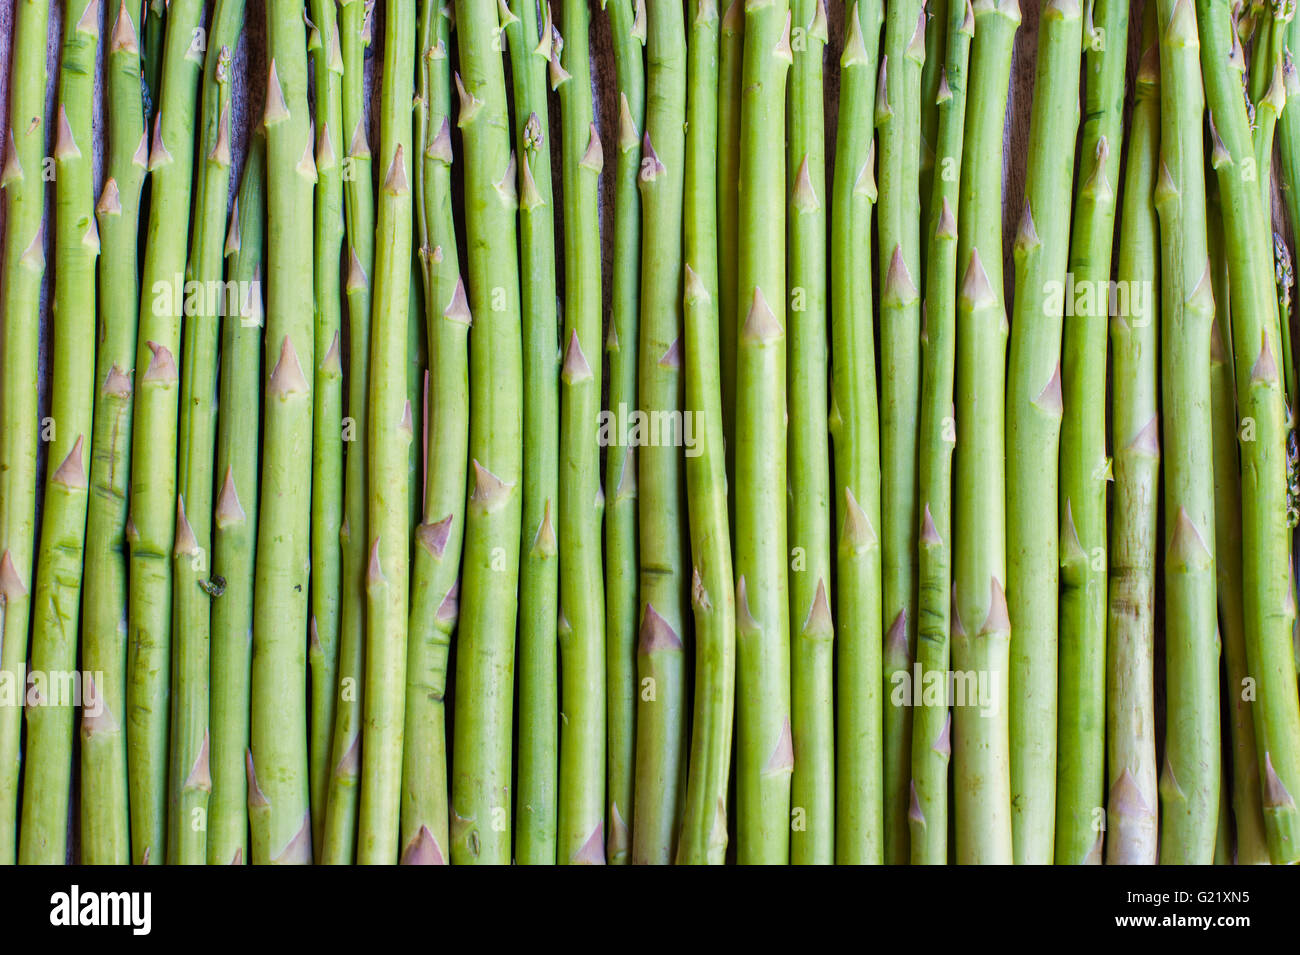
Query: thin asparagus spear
{"x": 1190, "y": 780}
{"x": 582, "y": 650}
{"x": 391, "y": 431}
{"x": 1085, "y": 468}
{"x": 1266, "y": 87}
{"x": 1288, "y": 135}
{"x": 105, "y": 827}
{"x": 436, "y": 556}
{"x": 278, "y": 791}
{"x": 855, "y": 428}
{"x": 359, "y": 208}
{"x": 1266, "y": 537}
{"x": 151, "y": 528}
{"x": 731, "y": 56}
{"x": 812, "y": 840}
{"x": 417, "y": 366}
{"x": 47, "y": 778}
{"x": 480, "y": 791}
{"x": 153, "y": 18}
{"x": 766, "y": 756}
{"x": 898, "y": 120}
{"x": 981, "y": 630}
{"x": 190, "y": 772}
{"x": 931, "y": 723}
{"x": 1135, "y": 436}
{"x": 327, "y": 424}
{"x": 661, "y": 661}
{"x": 1034, "y": 427}
{"x": 938, "y": 14}
{"x": 703, "y": 836}
{"x": 539, "y": 703}
{"x": 234, "y": 524}
{"x": 621, "y": 566}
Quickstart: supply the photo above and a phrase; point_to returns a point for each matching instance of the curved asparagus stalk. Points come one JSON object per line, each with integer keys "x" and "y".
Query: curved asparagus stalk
{"x": 1135, "y": 436}
{"x": 812, "y": 660}
{"x": 1190, "y": 780}
{"x": 105, "y": 835}
{"x": 387, "y": 578}
{"x": 359, "y": 209}
{"x": 1085, "y": 468}
{"x": 898, "y": 119}
{"x": 191, "y": 777}
{"x": 766, "y": 757}
{"x": 234, "y": 520}
{"x": 278, "y": 791}
{"x": 582, "y": 664}
{"x": 731, "y": 56}
{"x": 980, "y": 626}
{"x": 661, "y": 659}
{"x": 327, "y": 424}
{"x": 480, "y": 792}
{"x": 855, "y": 428}
{"x": 1269, "y": 600}
{"x": 621, "y": 559}
{"x": 151, "y": 528}
{"x": 1033, "y": 430}
{"x": 436, "y": 555}
{"x": 931, "y": 722}
{"x": 703, "y": 836}
{"x": 539, "y": 703}
{"x": 47, "y": 778}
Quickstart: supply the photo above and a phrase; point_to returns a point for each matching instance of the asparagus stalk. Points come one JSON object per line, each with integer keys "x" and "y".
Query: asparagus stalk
{"x": 153, "y": 17}
{"x": 661, "y": 660}
{"x": 812, "y": 840}
{"x": 898, "y": 119}
{"x": 1085, "y": 468}
{"x": 480, "y": 792}
{"x": 105, "y": 836}
{"x": 154, "y": 447}
{"x": 436, "y": 556}
{"x": 621, "y": 567}
{"x": 1269, "y": 600}
{"x": 278, "y": 796}
{"x": 539, "y": 704}
{"x": 703, "y": 836}
{"x": 47, "y": 780}
{"x": 932, "y": 723}
{"x": 390, "y": 431}
{"x": 190, "y": 770}
{"x": 980, "y": 626}
{"x": 731, "y": 55}
{"x": 1034, "y": 427}
{"x": 1135, "y": 436}
{"x": 359, "y": 209}
{"x": 1190, "y": 780}
{"x": 854, "y": 423}
{"x": 1266, "y": 87}
{"x": 327, "y": 424}
{"x": 234, "y": 526}
{"x": 1288, "y": 135}
{"x": 938, "y": 14}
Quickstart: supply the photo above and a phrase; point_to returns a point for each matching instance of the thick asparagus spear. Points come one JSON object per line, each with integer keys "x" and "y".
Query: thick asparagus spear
{"x": 47, "y": 778}
{"x": 277, "y": 785}
{"x": 898, "y": 119}
{"x": 981, "y": 630}
{"x": 105, "y": 838}
{"x": 704, "y": 817}
{"x": 480, "y": 791}
{"x": 661, "y": 659}
{"x": 855, "y": 429}
{"x": 1189, "y": 785}
{"x": 1266, "y": 537}
{"x": 152, "y": 525}
{"x": 621, "y": 564}
{"x": 1135, "y": 437}
{"x": 928, "y": 813}
{"x": 234, "y": 520}
{"x": 327, "y": 425}
{"x": 359, "y": 209}
{"x": 539, "y": 704}
{"x": 812, "y": 839}
{"x": 1085, "y": 468}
